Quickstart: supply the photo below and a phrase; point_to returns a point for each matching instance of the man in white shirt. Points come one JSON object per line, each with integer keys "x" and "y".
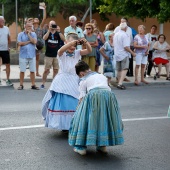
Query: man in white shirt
{"x": 152, "y": 38}
{"x": 130, "y": 35}
{"x": 122, "y": 53}
{"x": 73, "y": 28}
{"x": 5, "y": 40}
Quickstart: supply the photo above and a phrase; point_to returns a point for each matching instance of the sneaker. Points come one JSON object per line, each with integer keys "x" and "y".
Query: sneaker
{"x": 42, "y": 86}
{"x": 101, "y": 149}
{"x": 80, "y": 150}
{"x": 148, "y": 76}
{"x": 9, "y": 83}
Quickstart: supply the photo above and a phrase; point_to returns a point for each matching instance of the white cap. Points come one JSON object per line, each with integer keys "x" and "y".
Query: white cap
{"x": 123, "y": 25}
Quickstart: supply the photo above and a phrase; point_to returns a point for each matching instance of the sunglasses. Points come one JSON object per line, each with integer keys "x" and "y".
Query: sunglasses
{"x": 88, "y": 28}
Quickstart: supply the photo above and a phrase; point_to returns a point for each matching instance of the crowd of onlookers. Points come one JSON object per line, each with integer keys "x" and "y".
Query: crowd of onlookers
{"x": 116, "y": 47}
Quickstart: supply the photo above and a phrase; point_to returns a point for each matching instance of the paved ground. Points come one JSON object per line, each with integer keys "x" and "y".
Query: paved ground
{"x": 26, "y": 145}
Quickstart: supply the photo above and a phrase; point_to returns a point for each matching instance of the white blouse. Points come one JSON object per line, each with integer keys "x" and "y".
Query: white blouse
{"x": 159, "y": 53}
{"x": 91, "y": 82}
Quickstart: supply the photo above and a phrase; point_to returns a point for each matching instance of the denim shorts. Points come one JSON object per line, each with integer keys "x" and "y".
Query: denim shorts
{"x": 23, "y": 62}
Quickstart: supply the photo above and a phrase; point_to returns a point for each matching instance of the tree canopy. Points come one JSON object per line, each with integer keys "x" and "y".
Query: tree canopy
{"x": 141, "y": 9}
{"x": 30, "y": 8}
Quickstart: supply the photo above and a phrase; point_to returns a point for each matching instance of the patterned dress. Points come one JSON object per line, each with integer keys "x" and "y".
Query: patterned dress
{"x": 108, "y": 67}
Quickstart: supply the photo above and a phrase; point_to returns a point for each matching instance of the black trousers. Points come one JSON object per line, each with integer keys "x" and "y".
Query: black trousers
{"x": 130, "y": 70}
{"x": 150, "y": 63}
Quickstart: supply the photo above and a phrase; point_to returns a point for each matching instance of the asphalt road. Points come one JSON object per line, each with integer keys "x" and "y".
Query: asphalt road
{"x": 147, "y": 134}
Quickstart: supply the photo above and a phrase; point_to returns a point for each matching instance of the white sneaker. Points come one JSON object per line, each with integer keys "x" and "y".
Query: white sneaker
{"x": 148, "y": 76}
{"x": 80, "y": 151}
{"x": 102, "y": 149}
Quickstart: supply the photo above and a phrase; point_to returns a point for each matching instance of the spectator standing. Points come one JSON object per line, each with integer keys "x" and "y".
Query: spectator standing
{"x": 74, "y": 29}
{"x": 38, "y": 28}
{"x": 79, "y": 24}
{"x": 27, "y": 41}
{"x": 141, "y": 45}
{"x": 130, "y": 36}
{"x": 5, "y": 40}
{"x": 52, "y": 41}
{"x": 90, "y": 59}
{"x": 101, "y": 41}
{"x": 152, "y": 37}
{"x": 122, "y": 50}
{"x": 107, "y": 52}
{"x": 108, "y": 30}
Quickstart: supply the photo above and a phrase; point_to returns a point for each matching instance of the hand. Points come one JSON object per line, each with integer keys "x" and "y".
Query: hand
{"x": 134, "y": 54}
{"x": 106, "y": 57}
{"x": 74, "y": 43}
{"x": 145, "y": 46}
{"x": 28, "y": 32}
{"x": 146, "y": 53}
{"x": 82, "y": 41}
{"x": 50, "y": 29}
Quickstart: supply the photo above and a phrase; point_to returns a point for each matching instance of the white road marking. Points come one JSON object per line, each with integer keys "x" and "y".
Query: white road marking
{"x": 145, "y": 118}
{"x": 40, "y": 126}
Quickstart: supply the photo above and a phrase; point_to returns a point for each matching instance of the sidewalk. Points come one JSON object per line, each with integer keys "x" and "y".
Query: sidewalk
{"x": 14, "y": 76}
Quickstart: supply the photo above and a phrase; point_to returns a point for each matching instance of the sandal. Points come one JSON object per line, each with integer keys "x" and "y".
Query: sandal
{"x": 34, "y": 87}
{"x": 168, "y": 78}
{"x": 120, "y": 86}
{"x": 21, "y": 87}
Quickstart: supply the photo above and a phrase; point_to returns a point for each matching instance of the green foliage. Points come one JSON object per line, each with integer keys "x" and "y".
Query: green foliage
{"x": 142, "y": 9}
{"x": 30, "y": 8}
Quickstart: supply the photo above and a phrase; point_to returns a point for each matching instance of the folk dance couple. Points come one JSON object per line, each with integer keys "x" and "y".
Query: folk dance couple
{"x": 91, "y": 114}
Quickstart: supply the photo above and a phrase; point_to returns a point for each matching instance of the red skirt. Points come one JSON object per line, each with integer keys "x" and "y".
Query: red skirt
{"x": 160, "y": 61}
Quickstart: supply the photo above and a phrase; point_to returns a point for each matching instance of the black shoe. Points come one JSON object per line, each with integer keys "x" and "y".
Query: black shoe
{"x": 130, "y": 75}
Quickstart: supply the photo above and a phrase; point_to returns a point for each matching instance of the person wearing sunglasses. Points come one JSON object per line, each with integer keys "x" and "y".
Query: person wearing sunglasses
{"x": 90, "y": 59}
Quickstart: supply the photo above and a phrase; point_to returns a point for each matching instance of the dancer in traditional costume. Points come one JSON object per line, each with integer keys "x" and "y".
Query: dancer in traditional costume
{"x": 97, "y": 120}
{"x": 61, "y": 100}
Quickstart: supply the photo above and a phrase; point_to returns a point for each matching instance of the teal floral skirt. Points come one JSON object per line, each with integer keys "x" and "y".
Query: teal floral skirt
{"x": 97, "y": 120}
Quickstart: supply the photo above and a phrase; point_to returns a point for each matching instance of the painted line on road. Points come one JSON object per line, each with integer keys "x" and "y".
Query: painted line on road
{"x": 21, "y": 127}
{"x": 40, "y": 126}
{"x": 145, "y": 118}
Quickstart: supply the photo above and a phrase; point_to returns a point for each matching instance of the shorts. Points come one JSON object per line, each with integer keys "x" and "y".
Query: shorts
{"x": 161, "y": 61}
{"x": 122, "y": 65}
{"x": 5, "y": 57}
{"x": 51, "y": 61}
{"x": 23, "y": 62}
{"x": 141, "y": 59}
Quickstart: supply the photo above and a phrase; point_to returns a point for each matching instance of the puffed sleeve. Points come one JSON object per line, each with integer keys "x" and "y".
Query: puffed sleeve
{"x": 82, "y": 88}
{"x": 77, "y": 54}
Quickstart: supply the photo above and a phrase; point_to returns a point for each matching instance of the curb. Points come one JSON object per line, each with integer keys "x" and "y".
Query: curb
{"x": 131, "y": 84}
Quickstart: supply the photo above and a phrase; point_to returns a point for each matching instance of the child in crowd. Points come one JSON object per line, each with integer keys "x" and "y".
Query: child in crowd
{"x": 107, "y": 52}
{"x": 97, "y": 120}
{"x": 61, "y": 100}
